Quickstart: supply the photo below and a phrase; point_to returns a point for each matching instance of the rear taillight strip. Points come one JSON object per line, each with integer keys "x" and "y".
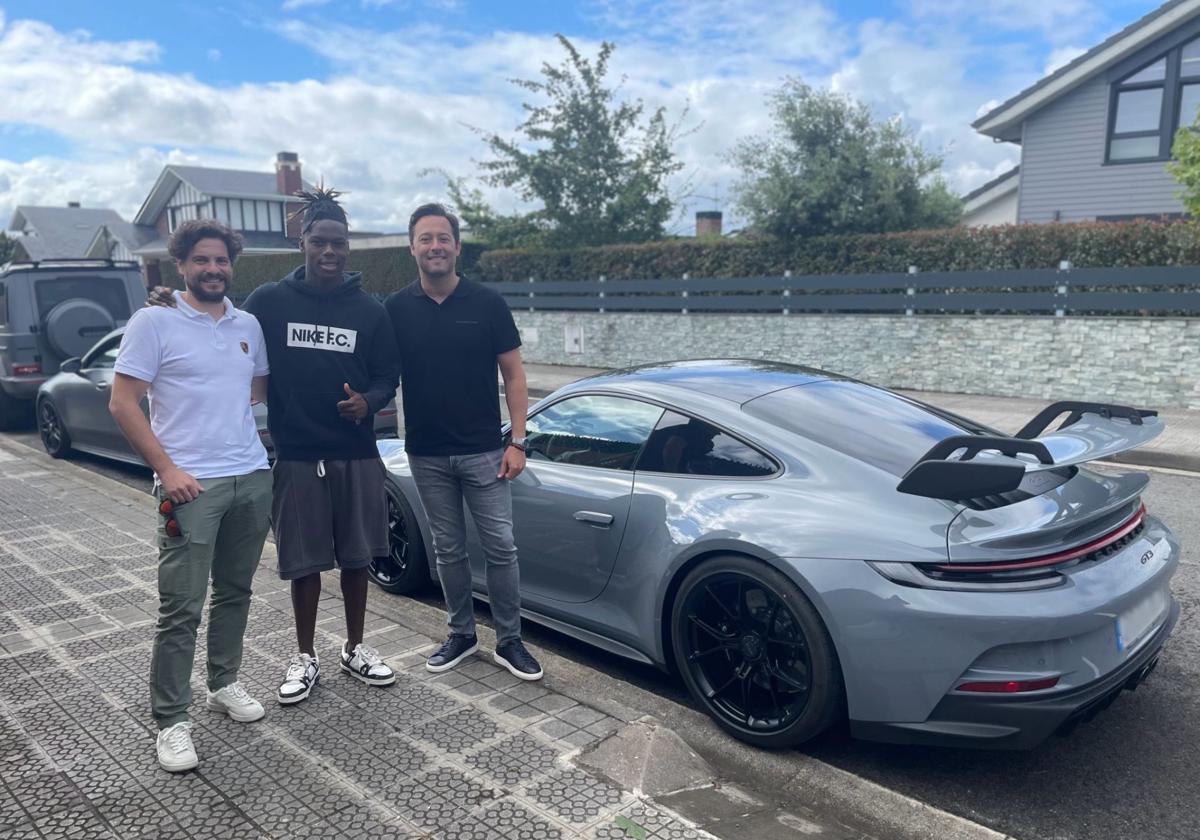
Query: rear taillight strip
{"x": 1051, "y": 559}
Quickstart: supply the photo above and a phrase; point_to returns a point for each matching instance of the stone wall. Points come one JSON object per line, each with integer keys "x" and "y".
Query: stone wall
{"x": 1139, "y": 361}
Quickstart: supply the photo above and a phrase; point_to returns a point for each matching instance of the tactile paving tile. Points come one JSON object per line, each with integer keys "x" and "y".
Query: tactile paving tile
{"x": 438, "y": 798}
{"x": 574, "y": 795}
{"x": 653, "y": 823}
{"x": 513, "y": 820}
{"x": 129, "y": 810}
{"x": 514, "y": 760}
{"x": 456, "y": 732}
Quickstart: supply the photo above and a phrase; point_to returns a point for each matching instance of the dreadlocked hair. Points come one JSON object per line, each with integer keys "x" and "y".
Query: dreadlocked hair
{"x": 316, "y": 204}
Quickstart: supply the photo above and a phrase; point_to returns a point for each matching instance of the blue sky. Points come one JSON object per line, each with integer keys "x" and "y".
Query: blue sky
{"x": 373, "y": 93}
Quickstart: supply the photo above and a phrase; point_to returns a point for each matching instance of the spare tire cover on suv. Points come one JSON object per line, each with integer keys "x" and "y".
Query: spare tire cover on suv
{"x": 75, "y": 325}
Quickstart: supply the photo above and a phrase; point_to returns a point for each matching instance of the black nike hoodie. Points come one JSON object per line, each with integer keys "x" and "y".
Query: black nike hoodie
{"x": 317, "y": 341}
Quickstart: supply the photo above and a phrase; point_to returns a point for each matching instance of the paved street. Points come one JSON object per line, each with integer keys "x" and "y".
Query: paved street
{"x": 473, "y": 753}
{"x": 1126, "y": 774}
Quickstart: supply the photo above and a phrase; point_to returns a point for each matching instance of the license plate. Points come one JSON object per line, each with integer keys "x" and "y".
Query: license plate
{"x": 1132, "y": 624}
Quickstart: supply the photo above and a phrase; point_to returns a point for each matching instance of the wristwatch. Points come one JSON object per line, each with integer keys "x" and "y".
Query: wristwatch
{"x": 518, "y": 442}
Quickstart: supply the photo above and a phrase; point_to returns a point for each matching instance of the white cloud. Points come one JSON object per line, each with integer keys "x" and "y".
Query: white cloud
{"x": 725, "y": 32}
{"x": 26, "y": 40}
{"x": 1058, "y": 20}
{"x": 399, "y": 102}
{"x": 293, "y": 5}
{"x": 214, "y": 54}
{"x": 1061, "y": 57}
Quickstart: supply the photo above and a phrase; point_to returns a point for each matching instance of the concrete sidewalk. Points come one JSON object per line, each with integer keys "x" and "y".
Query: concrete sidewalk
{"x": 1178, "y": 447}
{"x": 473, "y": 753}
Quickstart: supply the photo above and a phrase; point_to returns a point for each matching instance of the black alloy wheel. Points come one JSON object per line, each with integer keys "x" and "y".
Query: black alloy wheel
{"x": 755, "y": 653}
{"x": 405, "y": 569}
{"x": 52, "y": 431}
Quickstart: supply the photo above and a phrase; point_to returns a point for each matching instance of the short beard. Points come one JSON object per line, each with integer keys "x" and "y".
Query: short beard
{"x": 199, "y": 293}
{"x": 441, "y": 275}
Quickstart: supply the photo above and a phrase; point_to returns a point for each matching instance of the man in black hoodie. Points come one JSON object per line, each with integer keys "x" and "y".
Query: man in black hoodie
{"x": 333, "y": 365}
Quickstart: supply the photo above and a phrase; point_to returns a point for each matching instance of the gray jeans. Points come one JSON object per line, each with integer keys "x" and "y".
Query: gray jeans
{"x": 443, "y": 483}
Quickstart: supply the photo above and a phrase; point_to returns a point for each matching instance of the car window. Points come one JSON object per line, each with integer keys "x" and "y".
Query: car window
{"x": 591, "y": 431}
{"x": 869, "y": 424}
{"x": 109, "y": 292}
{"x": 3, "y": 304}
{"x": 686, "y": 446}
{"x": 103, "y": 355}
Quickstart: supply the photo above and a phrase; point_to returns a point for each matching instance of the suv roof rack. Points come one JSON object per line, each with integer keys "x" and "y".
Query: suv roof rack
{"x": 69, "y": 262}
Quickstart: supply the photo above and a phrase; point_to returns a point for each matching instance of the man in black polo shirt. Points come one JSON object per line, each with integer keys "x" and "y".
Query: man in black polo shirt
{"x": 452, "y": 334}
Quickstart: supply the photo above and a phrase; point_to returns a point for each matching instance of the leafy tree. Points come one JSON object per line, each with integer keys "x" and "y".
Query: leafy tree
{"x": 830, "y": 167}
{"x": 597, "y": 167}
{"x": 7, "y": 246}
{"x": 1185, "y": 165}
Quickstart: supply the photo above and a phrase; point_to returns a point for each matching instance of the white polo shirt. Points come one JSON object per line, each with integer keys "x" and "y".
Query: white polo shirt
{"x": 199, "y": 372}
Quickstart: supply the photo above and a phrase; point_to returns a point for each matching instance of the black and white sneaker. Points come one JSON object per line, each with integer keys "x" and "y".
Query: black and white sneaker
{"x": 366, "y": 664}
{"x": 513, "y": 656}
{"x": 302, "y": 674}
{"x": 454, "y": 650}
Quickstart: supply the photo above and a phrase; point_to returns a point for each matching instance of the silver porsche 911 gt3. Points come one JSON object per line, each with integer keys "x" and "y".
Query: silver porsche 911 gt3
{"x": 800, "y": 546}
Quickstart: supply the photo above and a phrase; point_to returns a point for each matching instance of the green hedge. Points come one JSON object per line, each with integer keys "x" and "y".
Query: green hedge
{"x": 384, "y": 269}
{"x": 1085, "y": 244}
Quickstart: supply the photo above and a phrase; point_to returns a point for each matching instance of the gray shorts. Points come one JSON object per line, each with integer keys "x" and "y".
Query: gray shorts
{"x": 328, "y": 513}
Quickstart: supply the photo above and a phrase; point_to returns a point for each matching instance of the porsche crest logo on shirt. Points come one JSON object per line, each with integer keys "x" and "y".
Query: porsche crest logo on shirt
{"x": 245, "y": 345}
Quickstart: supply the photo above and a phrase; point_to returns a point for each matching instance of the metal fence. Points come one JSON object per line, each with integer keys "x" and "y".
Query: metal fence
{"x": 1088, "y": 291}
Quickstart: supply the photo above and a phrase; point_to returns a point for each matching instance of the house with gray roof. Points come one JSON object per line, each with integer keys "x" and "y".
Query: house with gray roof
{"x": 258, "y": 204}
{"x": 72, "y": 232}
{"x": 1095, "y": 135}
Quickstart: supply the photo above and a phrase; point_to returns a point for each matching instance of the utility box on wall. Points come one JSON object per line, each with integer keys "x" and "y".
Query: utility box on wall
{"x": 573, "y": 338}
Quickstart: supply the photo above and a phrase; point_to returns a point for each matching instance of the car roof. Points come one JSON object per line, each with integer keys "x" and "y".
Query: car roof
{"x": 736, "y": 380}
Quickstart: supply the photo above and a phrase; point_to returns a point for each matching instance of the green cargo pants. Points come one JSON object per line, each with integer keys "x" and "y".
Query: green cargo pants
{"x": 221, "y": 534}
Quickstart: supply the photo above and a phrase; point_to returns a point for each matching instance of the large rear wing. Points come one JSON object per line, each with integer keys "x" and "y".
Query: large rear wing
{"x": 987, "y": 466}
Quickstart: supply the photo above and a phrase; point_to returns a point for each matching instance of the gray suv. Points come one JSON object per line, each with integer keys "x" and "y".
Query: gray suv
{"x": 54, "y": 310}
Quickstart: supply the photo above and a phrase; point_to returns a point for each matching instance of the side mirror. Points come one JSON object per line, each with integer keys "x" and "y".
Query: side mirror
{"x": 71, "y": 365}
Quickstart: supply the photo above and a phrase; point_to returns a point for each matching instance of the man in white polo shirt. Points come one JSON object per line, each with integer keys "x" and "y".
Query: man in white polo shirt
{"x": 202, "y": 362}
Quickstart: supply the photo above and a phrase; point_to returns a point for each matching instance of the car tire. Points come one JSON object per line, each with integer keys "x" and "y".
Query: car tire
{"x": 405, "y": 570}
{"x": 755, "y": 654}
{"x": 51, "y": 430}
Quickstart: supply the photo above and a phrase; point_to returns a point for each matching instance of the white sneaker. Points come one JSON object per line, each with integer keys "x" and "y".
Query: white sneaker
{"x": 175, "y": 750}
{"x": 302, "y": 674}
{"x": 367, "y": 665}
{"x": 235, "y": 702}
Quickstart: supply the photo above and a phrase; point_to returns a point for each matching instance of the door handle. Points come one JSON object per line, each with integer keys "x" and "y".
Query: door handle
{"x": 593, "y": 518}
{"x": 100, "y": 386}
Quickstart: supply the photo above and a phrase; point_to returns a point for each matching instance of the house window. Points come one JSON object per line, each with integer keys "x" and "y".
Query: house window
{"x": 1137, "y": 118}
{"x": 1189, "y": 84}
{"x": 1150, "y": 104}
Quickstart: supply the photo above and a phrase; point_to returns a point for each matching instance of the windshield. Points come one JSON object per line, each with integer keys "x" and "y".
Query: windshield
{"x": 869, "y": 424}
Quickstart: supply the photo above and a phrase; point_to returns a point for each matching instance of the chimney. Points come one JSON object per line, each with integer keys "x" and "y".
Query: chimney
{"x": 74, "y": 204}
{"x": 287, "y": 173}
{"x": 708, "y": 223}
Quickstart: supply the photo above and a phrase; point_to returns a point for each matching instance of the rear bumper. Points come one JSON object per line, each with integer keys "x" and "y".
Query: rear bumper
{"x": 1016, "y": 723}
{"x": 21, "y": 387}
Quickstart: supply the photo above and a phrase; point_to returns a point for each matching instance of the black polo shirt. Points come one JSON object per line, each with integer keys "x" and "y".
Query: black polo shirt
{"x": 448, "y": 366}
